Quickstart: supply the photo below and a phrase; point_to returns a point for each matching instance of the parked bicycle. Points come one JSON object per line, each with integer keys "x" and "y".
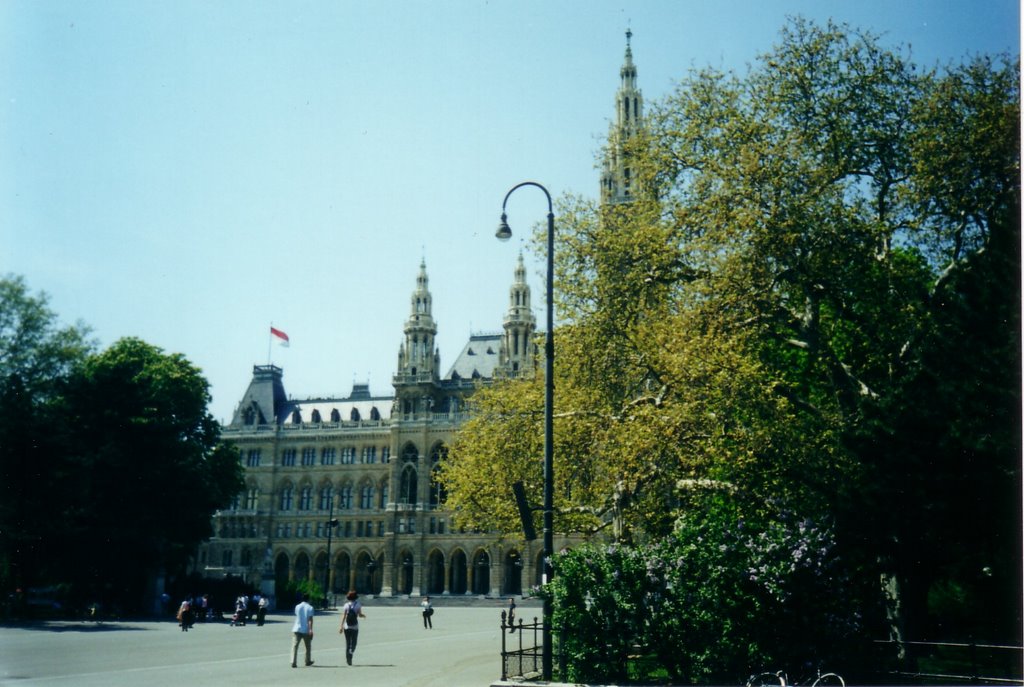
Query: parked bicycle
{"x": 780, "y": 679}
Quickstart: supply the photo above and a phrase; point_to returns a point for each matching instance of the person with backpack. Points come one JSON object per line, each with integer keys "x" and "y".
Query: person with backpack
{"x": 428, "y": 611}
{"x": 351, "y": 612}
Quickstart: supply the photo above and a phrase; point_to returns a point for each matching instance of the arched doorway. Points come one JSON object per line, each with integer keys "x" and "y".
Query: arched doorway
{"x": 301, "y": 567}
{"x": 405, "y": 572}
{"x": 435, "y": 573}
{"x": 281, "y": 566}
{"x": 512, "y": 574}
{"x": 481, "y": 573}
{"x": 342, "y": 569}
{"x": 320, "y": 575}
{"x": 375, "y": 571}
{"x": 365, "y": 567}
{"x": 457, "y": 573}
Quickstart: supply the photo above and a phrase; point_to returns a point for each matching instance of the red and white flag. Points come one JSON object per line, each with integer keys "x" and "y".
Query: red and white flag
{"x": 279, "y": 336}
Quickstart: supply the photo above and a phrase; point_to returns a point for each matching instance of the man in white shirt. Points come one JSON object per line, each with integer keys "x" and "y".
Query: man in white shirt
{"x": 303, "y": 630}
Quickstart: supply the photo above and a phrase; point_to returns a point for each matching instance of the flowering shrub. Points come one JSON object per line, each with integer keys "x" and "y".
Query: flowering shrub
{"x": 719, "y": 599}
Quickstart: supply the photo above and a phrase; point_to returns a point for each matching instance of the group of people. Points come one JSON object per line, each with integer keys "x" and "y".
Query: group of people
{"x": 246, "y": 608}
{"x": 199, "y": 608}
{"x": 351, "y": 612}
{"x": 302, "y": 630}
{"x": 191, "y": 609}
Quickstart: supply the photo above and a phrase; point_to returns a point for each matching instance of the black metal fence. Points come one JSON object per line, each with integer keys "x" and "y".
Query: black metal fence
{"x": 522, "y": 648}
{"x": 951, "y": 662}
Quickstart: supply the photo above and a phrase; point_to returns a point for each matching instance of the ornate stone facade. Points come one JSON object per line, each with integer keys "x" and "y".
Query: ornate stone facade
{"x": 367, "y": 464}
{"x": 342, "y": 490}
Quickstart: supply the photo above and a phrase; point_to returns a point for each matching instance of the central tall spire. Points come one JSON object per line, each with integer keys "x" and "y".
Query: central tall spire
{"x": 618, "y": 184}
{"x": 417, "y": 357}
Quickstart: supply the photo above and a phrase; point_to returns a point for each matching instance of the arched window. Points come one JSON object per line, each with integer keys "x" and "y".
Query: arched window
{"x": 382, "y": 502}
{"x": 437, "y": 491}
{"x": 287, "y": 495}
{"x": 407, "y": 485}
{"x": 315, "y": 417}
{"x": 252, "y": 498}
{"x": 296, "y": 417}
{"x": 335, "y": 415}
{"x": 374, "y": 413}
{"x": 366, "y": 496}
{"x": 345, "y": 497}
{"x": 410, "y": 454}
{"x": 306, "y": 498}
{"x": 354, "y": 415}
{"x": 326, "y": 495}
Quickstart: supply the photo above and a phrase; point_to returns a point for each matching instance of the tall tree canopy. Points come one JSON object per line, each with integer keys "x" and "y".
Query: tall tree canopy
{"x": 106, "y": 457}
{"x": 815, "y": 307}
{"x": 149, "y": 463}
{"x": 36, "y": 358}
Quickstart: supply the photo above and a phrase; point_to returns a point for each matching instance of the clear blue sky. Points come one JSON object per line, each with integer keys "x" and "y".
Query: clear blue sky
{"x": 188, "y": 172}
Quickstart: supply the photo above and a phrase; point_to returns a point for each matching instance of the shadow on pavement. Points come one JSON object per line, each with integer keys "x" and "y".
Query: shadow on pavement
{"x": 76, "y": 626}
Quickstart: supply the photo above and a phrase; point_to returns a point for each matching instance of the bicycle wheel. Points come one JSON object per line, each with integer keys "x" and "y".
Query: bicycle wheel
{"x": 829, "y": 679}
{"x": 767, "y": 680}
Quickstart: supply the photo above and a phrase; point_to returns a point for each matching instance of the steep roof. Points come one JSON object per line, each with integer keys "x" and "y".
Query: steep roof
{"x": 478, "y": 359}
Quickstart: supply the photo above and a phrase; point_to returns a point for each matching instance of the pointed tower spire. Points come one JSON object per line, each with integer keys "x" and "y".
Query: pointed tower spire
{"x": 416, "y": 356}
{"x": 517, "y": 353}
{"x": 617, "y": 182}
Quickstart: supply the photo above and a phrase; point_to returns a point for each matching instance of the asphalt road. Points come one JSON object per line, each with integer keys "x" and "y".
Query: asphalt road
{"x": 394, "y": 650}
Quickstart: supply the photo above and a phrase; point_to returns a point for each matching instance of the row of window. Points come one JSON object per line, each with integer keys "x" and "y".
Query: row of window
{"x": 327, "y": 456}
{"x": 345, "y": 497}
{"x": 328, "y": 497}
{"x": 315, "y": 417}
{"x": 345, "y": 530}
{"x": 235, "y": 529}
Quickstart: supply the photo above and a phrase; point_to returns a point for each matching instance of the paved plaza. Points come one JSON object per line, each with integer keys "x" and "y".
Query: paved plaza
{"x": 394, "y": 650}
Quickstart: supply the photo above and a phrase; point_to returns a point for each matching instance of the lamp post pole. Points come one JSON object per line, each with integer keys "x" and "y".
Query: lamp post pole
{"x": 504, "y": 233}
{"x": 331, "y": 524}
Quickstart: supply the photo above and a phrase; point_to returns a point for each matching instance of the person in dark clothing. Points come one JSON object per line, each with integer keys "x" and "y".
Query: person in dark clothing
{"x": 428, "y": 611}
{"x": 351, "y": 612}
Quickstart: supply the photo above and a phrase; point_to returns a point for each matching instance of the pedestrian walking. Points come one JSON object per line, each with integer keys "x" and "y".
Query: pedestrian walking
{"x": 351, "y": 612}
{"x": 185, "y": 615}
{"x": 428, "y": 611}
{"x": 511, "y": 615}
{"x": 303, "y": 630}
{"x": 261, "y": 612}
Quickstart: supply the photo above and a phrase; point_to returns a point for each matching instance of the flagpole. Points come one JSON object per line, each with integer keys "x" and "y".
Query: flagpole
{"x": 270, "y": 343}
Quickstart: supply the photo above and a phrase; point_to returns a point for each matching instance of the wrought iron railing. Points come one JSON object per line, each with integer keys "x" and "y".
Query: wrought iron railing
{"x": 522, "y": 648}
{"x": 964, "y": 662}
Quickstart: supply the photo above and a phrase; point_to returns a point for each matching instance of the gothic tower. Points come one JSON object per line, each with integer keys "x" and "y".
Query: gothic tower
{"x": 419, "y": 361}
{"x": 618, "y": 184}
{"x": 517, "y": 354}
{"x": 417, "y": 358}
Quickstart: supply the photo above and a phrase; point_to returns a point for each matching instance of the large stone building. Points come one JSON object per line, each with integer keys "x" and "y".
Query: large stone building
{"x": 343, "y": 490}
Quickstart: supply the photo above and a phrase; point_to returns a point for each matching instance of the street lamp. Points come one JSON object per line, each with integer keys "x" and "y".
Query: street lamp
{"x": 332, "y": 522}
{"x": 504, "y": 233}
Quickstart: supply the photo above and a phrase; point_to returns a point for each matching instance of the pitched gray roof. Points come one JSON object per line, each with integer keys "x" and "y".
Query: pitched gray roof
{"x": 478, "y": 358}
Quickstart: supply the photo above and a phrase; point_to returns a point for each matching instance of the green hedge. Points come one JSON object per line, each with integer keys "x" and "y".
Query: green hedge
{"x": 719, "y": 599}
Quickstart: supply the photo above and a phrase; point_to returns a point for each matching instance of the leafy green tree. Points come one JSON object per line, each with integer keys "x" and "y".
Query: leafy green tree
{"x": 36, "y": 358}
{"x": 815, "y": 305}
{"x": 149, "y": 466}
{"x": 110, "y": 464}
{"x": 33, "y": 348}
